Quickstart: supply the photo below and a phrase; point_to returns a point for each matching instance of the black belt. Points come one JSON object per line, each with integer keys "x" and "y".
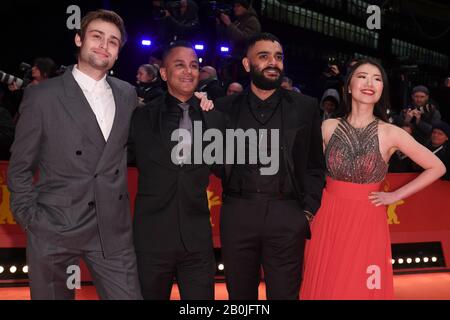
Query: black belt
{"x": 261, "y": 195}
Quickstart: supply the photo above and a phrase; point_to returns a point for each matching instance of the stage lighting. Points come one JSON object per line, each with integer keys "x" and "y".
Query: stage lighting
{"x": 199, "y": 47}
{"x": 426, "y": 260}
{"x": 417, "y": 260}
{"x": 146, "y": 43}
{"x": 224, "y": 49}
{"x": 25, "y": 269}
{"x": 400, "y": 261}
{"x": 409, "y": 261}
{"x": 392, "y": 261}
{"x": 434, "y": 259}
{"x": 221, "y": 267}
{"x": 1, "y": 269}
{"x": 13, "y": 269}
{"x": 200, "y": 60}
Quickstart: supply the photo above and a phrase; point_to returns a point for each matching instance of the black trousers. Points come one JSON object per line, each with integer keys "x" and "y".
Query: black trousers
{"x": 194, "y": 272}
{"x": 267, "y": 233}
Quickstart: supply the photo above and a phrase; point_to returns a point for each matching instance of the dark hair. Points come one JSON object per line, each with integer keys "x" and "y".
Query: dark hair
{"x": 151, "y": 69}
{"x": 406, "y": 124}
{"x": 173, "y": 45}
{"x": 46, "y": 66}
{"x": 287, "y": 79}
{"x": 264, "y": 36}
{"x": 381, "y": 106}
{"x": 332, "y": 99}
{"x": 107, "y": 16}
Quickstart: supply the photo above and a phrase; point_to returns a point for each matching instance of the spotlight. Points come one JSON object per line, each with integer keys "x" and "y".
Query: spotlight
{"x": 25, "y": 269}
{"x": 221, "y": 267}
{"x": 199, "y": 47}
{"x": 392, "y": 261}
{"x": 200, "y": 60}
{"x": 426, "y": 260}
{"x": 224, "y": 49}
{"x": 146, "y": 42}
{"x": 13, "y": 269}
{"x": 400, "y": 261}
{"x": 417, "y": 260}
{"x": 1, "y": 269}
{"x": 409, "y": 260}
{"x": 434, "y": 259}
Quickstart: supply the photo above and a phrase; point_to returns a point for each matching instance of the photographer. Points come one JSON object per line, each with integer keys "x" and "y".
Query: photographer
{"x": 209, "y": 83}
{"x": 287, "y": 83}
{"x": 179, "y": 19}
{"x": 43, "y": 69}
{"x": 245, "y": 26}
{"x": 437, "y": 143}
{"x": 421, "y": 113}
{"x": 332, "y": 78}
{"x": 148, "y": 84}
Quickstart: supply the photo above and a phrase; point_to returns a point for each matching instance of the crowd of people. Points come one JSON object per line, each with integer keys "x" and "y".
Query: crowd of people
{"x": 323, "y": 199}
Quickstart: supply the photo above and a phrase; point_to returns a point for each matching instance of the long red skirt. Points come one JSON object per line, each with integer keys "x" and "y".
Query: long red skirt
{"x": 349, "y": 254}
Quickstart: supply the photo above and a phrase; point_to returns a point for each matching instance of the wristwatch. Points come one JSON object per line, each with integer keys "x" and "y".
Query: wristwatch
{"x": 309, "y": 216}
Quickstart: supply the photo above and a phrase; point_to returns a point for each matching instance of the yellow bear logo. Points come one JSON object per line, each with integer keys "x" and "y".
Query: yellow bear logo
{"x": 5, "y": 211}
{"x": 213, "y": 200}
{"x": 391, "y": 213}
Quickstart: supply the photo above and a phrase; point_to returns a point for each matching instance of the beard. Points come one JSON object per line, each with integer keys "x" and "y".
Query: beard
{"x": 97, "y": 63}
{"x": 261, "y": 81}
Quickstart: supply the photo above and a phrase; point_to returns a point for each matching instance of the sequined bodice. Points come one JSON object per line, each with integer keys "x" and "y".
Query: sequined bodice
{"x": 353, "y": 154}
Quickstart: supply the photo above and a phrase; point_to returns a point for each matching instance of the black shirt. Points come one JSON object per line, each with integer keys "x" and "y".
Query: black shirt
{"x": 247, "y": 178}
{"x": 172, "y": 115}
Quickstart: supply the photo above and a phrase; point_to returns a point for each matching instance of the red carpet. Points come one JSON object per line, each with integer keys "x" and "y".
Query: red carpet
{"x": 428, "y": 286}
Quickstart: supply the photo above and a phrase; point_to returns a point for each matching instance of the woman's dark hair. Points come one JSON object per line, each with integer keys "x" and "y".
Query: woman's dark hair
{"x": 46, "y": 66}
{"x": 382, "y": 105}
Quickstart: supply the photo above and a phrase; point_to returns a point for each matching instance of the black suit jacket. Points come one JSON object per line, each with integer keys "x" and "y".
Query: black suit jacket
{"x": 301, "y": 140}
{"x": 171, "y": 200}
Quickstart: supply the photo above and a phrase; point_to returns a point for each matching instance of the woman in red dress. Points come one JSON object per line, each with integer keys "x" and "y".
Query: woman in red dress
{"x": 349, "y": 254}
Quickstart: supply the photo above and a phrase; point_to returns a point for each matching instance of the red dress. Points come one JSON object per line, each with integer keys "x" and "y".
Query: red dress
{"x": 349, "y": 254}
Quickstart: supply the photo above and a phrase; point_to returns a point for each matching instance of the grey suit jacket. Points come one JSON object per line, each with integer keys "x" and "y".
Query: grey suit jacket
{"x": 80, "y": 189}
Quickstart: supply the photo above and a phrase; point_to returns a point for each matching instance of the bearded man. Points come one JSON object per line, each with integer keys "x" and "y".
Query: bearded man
{"x": 265, "y": 217}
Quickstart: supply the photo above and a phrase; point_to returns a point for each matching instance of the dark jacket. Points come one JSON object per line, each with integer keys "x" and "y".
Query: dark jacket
{"x": 301, "y": 140}
{"x": 171, "y": 201}
{"x": 149, "y": 91}
{"x": 212, "y": 88}
{"x": 242, "y": 29}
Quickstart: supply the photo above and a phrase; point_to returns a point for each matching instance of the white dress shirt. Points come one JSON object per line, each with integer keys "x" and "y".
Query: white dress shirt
{"x": 100, "y": 98}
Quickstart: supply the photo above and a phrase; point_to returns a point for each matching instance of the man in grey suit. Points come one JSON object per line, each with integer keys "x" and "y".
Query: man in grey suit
{"x": 73, "y": 132}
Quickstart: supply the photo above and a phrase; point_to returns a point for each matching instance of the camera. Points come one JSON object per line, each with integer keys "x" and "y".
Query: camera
{"x": 216, "y": 8}
{"x": 61, "y": 70}
{"x": 10, "y": 79}
{"x": 331, "y": 61}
